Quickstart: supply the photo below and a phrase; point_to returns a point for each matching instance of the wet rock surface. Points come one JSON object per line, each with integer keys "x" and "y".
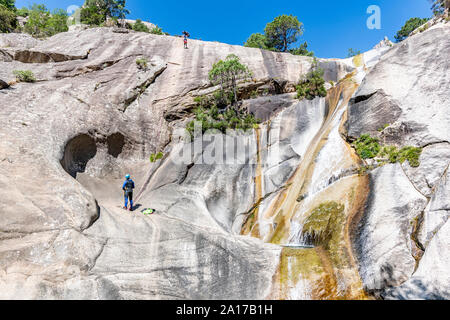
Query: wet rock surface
{"x": 406, "y": 214}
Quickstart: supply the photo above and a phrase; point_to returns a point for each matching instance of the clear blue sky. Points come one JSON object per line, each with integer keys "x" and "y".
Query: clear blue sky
{"x": 331, "y": 27}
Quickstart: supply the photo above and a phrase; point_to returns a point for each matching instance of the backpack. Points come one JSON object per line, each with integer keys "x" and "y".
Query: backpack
{"x": 129, "y": 186}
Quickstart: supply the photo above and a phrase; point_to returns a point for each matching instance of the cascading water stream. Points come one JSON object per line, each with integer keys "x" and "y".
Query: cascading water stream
{"x": 313, "y": 216}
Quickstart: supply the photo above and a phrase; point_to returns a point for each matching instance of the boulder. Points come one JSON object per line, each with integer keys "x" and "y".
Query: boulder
{"x": 3, "y": 85}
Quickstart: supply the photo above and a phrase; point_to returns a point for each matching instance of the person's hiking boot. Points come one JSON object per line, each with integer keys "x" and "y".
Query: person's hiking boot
{"x": 130, "y": 209}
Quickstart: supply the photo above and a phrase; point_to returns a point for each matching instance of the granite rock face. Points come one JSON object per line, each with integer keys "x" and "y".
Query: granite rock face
{"x": 412, "y": 78}
{"x": 67, "y": 140}
{"x": 406, "y": 95}
{"x": 383, "y": 246}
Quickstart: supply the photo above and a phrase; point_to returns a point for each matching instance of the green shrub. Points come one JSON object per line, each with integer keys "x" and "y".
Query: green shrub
{"x": 96, "y": 12}
{"x": 258, "y": 40}
{"x": 157, "y": 30}
{"x": 364, "y": 169}
{"x": 410, "y": 154}
{"x": 156, "y": 156}
{"x": 42, "y": 23}
{"x": 140, "y": 27}
{"x": 226, "y": 74}
{"x": 410, "y": 25}
{"x": 142, "y": 63}
{"x": 8, "y": 4}
{"x": 389, "y": 152}
{"x": 383, "y": 128}
{"x": 353, "y": 53}
{"x": 424, "y": 28}
{"x": 24, "y": 76}
{"x": 92, "y": 16}
{"x": 302, "y": 50}
{"x": 254, "y": 94}
{"x": 23, "y": 12}
{"x": 211, "y": 119}
{"x": 8, "y": 20}
{"x": 57, "y": 22}
{"x": 312, "y": 85}
{"x": 367, "y": 147}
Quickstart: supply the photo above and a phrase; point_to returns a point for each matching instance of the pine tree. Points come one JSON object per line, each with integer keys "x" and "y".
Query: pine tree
{"x": 8, "y": 4}
{"x": 439, "y": 6}
{"x": 283, "y": 31}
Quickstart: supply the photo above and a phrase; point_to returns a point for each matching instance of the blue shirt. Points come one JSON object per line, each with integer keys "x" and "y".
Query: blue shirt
{"x": 125, "y": 184}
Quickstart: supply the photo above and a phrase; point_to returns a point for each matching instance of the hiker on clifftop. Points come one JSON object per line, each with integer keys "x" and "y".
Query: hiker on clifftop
{"x": 186, "y": 35}
{"x": 127, "y": 188}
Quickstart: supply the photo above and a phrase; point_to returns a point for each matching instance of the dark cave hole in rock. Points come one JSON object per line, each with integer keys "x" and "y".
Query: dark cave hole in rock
{"x": 115, "y": 142}
{"x": 77, "y": 154}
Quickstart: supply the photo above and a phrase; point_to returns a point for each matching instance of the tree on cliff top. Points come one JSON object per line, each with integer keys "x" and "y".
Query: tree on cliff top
{"x": 279, "y": 35}
{"x": 7, "y": 20}
{"x": 439, "y": 6}
{"x": 410, "y": 25}
{"x": 256, "y": 40}
{"x": 283, "y": 31}
{"x": 42, "y": 23}
{"x": 8, "y": 4}
{"x": 96, "y": 12}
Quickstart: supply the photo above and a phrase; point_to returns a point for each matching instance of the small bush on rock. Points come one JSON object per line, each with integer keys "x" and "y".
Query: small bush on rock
{"x": 157, "y": 30}
{"x": 156, "y": 156}
{"x": 312, "y": 85}
{"x": 24, "y": 76}
{"x": 410, "y": 154}
{"x": 140, "y": 27}
{"x": 368, "y": 147}
{"x": 211, "y": 119}
{"x": 142, "y": 63}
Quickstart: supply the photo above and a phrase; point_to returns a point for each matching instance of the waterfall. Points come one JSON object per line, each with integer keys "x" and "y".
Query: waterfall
{"x": 316, "y": 209}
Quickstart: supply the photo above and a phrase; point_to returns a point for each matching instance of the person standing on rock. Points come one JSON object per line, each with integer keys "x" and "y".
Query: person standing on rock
{"x": 127, "y": 188}
{"x": 186, "y": 35}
